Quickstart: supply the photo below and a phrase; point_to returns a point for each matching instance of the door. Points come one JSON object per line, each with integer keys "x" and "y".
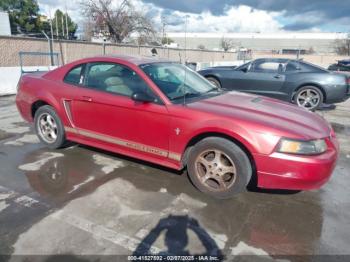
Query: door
{"x": 104, "y": 111}
{"x": 264, "y": 77}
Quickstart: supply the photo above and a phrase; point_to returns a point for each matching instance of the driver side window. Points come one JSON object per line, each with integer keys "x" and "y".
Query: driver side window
{"x": 116, "y": 79}
{"x": 267, "y": 67}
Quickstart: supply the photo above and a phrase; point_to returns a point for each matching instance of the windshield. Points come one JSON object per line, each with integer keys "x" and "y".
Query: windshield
{"x": 176, "y": 81}
{"x": 244, "y": 66}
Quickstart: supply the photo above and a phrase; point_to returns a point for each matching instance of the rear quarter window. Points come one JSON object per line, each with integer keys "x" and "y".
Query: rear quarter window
{"x": 74, "y": 76}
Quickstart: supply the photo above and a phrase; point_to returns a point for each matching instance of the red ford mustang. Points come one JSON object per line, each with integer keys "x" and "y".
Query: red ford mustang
{"x": 163, "y": 112}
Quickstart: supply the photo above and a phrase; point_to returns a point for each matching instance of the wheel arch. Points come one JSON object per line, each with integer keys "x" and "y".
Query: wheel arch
{"x": 213, "y": 76}
{"x": 320, "y": 87}
{"x": 45, "y": 99}
{"x": 37, "y": 104}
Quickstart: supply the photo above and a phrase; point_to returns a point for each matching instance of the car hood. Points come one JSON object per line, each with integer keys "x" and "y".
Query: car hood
{"x": 265, "y": 114}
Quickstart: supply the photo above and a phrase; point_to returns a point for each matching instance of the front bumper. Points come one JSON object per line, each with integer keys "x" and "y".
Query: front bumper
{"x": 295, "y": 172}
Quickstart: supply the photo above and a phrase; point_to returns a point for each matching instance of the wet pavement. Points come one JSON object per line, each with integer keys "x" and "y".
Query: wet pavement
{"x": 84, "y": 201}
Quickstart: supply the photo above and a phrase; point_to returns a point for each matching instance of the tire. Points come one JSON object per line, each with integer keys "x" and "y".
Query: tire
{"x": 311, "y": 96}
{"x": 53, "y": 136}
{"x": 214, "y": 81}
{"x": 234, "y": 169}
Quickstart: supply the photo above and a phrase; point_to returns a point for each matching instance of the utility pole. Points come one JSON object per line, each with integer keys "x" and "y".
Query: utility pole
{"x": 51, "y": 40}
{"x": 62, "y": 23}
{"x": 163, "y": 23}
{"x": 67, "y": 22}
{"x": 186, "y": 39}
{"x": 56, "y": 25}
{"x": 51, "y": 26}
{"x": 50, "y": 47}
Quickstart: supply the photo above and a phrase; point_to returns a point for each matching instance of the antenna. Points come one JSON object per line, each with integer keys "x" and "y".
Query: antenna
{"x": 185, "y": 63}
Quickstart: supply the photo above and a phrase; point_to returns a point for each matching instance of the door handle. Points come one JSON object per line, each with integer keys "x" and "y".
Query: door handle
{"x": 277, "y": 76}
{"x": 87, "y": 98}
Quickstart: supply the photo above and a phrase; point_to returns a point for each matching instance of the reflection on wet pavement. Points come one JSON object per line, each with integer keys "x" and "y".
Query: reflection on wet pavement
{"x": 82, "y": 201}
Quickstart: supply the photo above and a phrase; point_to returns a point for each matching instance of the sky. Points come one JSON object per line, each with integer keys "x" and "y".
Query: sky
{"x": 225, "y": 16}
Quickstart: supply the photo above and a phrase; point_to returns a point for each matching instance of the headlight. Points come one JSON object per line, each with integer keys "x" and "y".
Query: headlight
{"x": 312, "y": 147}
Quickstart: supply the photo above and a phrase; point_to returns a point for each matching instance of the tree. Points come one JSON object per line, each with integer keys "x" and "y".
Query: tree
{"x": 167, "y": 41}
{"x": 342, "y": 46}
{"x": 24, "y": 15}
{"x": 226, "y": 44}
{"x": 61, "y": 28}
{"x": 117, "y": 21}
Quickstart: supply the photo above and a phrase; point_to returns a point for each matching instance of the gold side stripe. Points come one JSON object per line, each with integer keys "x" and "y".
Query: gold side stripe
{"x": 125, "y": 143}
{"x": 71, "y": 130}
{"x": 174, "y": 156}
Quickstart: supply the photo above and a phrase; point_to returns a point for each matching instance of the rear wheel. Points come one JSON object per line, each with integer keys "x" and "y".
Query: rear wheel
{"x": 309, "y": 97}
{"x": 218, "y": 167}
{"x": 214, "y": 81}
{"x": 49, "y": 127}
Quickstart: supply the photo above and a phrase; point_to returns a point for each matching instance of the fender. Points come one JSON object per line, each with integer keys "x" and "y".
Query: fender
{"x": 45, "y": 95}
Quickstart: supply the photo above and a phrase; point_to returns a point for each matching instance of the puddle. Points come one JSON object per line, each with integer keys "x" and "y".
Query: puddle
{"x": 4, "y": 135}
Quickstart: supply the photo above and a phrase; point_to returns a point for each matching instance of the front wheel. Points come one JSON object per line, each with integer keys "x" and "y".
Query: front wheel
{"x": 218, "y": 167}
{"x": 214, "y": 81}
{"x": 309, "y": 97}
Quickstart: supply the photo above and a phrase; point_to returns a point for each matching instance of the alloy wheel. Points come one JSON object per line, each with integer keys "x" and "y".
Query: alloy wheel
{"x": 215, "y": 170}
{"x": 309, "y": 99}
{"x": 214, "y": 83}
{"x": 47, "y": 128}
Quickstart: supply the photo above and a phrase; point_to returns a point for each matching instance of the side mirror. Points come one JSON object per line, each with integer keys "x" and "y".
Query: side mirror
{"x": 142, "y": 97}
{"x": 244, "y": 70}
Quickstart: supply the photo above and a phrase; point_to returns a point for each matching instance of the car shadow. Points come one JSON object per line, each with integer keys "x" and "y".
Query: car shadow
{"x": 176, "y": 238}
{"x": 327, "y": 107}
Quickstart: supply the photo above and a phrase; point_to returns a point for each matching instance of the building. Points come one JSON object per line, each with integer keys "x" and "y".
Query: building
{"x": 5, "y": 28}
{"x": 283, "y": 43}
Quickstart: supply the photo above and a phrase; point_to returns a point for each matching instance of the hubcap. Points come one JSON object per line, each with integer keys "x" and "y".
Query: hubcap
{"x": 47, "y": 128}
{"x": 215, "y": 170}
{"x": 308, "y": 99}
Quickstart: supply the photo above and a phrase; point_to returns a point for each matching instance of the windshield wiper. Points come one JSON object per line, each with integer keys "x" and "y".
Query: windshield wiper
{"x": 187, "y": 94}
{"x": 212, "y": 90}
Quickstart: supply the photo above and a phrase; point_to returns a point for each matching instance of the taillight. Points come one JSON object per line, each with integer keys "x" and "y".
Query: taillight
{"x": 348, "y": 81}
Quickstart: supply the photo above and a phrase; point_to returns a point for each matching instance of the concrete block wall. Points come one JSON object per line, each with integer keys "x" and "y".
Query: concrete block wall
{"x": 320, "y": 60}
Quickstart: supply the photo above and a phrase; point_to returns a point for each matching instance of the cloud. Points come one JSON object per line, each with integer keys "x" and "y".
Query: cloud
{"x": 232, "y": 15}
{"x": 334, "y": 11}
{"x": 234, "y": 19}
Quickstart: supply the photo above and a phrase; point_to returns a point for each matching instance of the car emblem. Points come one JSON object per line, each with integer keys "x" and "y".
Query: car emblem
{"x": 177, "y": 131}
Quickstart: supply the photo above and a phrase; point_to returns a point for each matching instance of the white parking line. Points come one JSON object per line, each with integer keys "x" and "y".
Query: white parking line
{"x": 108, "y": 164}
{"x": 26, "y": 139}
{"x": 26, "y": 201}
{"x": 8, "y": 196}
